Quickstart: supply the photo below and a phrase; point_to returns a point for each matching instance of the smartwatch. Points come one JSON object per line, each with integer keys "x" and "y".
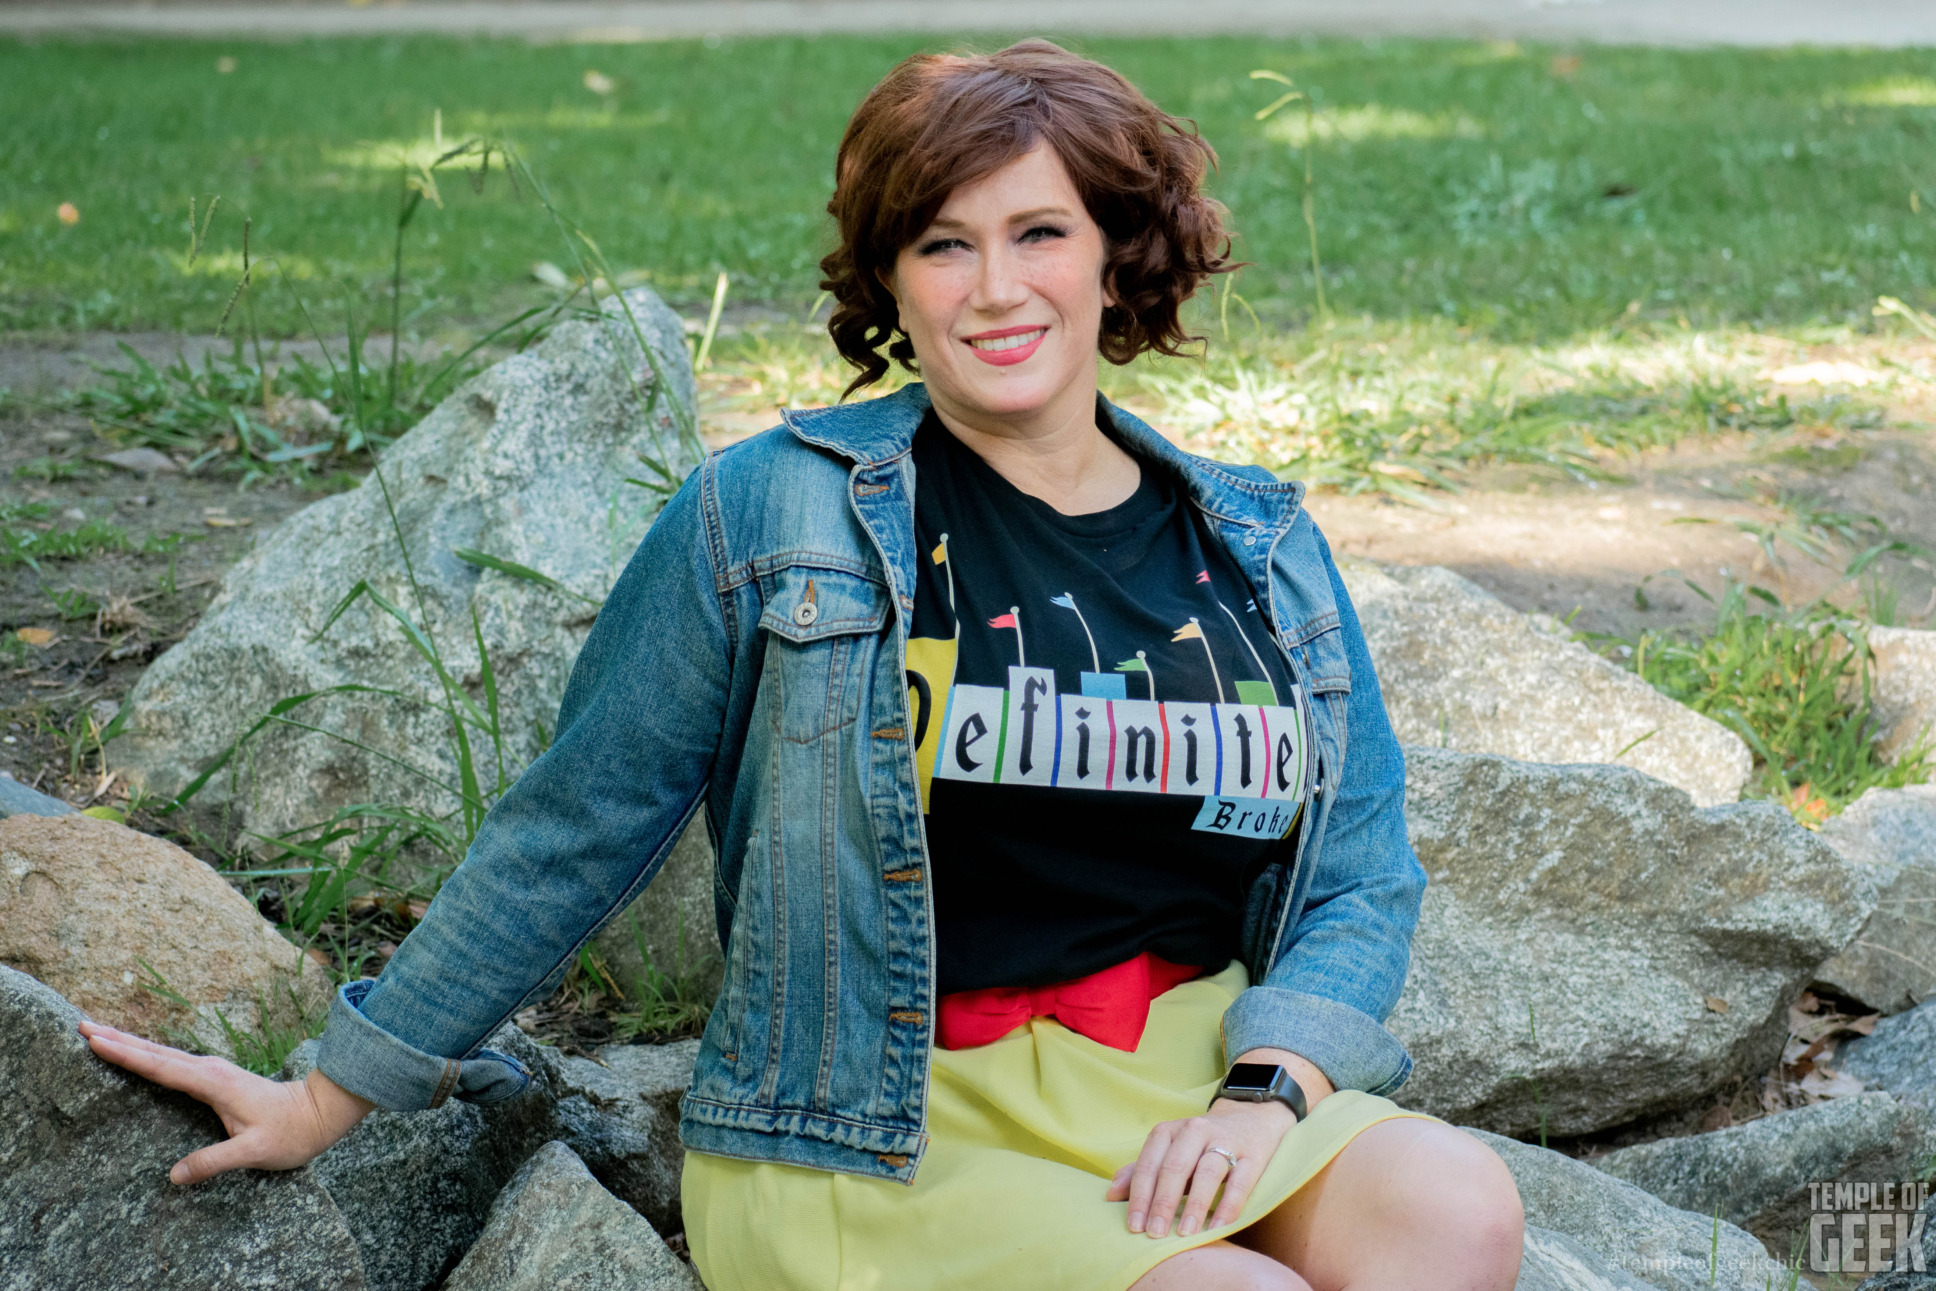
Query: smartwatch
{"x": 1263, "y": 1082}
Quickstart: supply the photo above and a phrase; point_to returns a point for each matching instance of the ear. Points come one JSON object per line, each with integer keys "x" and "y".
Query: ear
{"x": 886, "y": 278}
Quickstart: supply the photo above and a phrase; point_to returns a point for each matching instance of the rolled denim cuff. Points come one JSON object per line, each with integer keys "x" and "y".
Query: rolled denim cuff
{"x": 371, "y": 1063}
{"x": 1351, "y": 1048}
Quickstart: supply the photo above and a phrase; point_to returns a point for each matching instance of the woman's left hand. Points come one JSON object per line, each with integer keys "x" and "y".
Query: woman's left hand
{"x": 1178, "y": 1155}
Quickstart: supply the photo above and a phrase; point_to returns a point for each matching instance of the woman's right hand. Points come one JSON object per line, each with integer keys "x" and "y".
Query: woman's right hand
{"x": 272, "y": 1125}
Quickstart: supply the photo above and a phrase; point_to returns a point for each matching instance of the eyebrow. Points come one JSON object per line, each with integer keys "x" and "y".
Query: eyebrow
{"x": 1020, "y": 217}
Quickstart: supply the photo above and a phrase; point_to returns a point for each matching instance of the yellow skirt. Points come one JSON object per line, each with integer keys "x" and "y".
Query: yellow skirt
{"x": 1025, "y": 1134}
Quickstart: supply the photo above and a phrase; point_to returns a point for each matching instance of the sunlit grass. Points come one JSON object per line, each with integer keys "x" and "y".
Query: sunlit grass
{"x": 1517, "y": 191}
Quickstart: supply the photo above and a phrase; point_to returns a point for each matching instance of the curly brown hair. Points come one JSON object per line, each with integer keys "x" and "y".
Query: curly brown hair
{"x": 938, "y": 121}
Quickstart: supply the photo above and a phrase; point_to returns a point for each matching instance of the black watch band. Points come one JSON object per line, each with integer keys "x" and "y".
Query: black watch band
{"x": 1263, "y": 1082}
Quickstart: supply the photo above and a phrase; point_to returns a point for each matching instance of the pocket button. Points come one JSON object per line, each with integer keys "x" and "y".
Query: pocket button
{"x": 805, "y": 613}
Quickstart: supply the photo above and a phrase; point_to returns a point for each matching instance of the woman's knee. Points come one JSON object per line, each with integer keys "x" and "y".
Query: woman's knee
{"x": 1220, "y": 1266}
{"x": 1457, "y": 1189}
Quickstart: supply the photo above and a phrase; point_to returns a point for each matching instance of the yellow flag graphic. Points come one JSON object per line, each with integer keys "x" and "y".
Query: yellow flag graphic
{"x": 940, "y": 552}
{"x": 1188, "y": 632}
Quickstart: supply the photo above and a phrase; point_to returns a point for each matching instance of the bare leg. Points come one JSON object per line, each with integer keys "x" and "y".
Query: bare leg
{"x": 1408, "y": 1204}
{"x": 1220, "y": 1266}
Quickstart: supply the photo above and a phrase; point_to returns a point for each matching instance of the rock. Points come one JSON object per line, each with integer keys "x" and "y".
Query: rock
{"x": 526, "y": 463}
{"x": 553, "y": 1226}
{"x": 1900, "y": 1057}
{"x": 1555, "y": 1262}
{"x": 85, "y": 1202}
{"x": 1891, "y": 835}
{"x": 1758, "y": 1175}
{"x": 1637, "y": 1234}
{"x": 142, "y": 461}
{"x": 1904, "y": 697}
{"x": 89, "y": 907}
{"x": 620, "y": 1112}
{"x": 1915, "y": 1269}
{"x": 415, "y": 1187}
{"x": 672, "y": 924}
{"x": 1594, "y": 949}
{"x": 1462, "y": 670}
{"x": 17, "y": 799}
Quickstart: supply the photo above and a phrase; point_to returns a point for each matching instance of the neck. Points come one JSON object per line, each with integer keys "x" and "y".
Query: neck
{"x": 1056, "y": 452}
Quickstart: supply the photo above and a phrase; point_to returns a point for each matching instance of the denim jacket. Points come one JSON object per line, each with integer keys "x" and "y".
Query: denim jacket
{"x": 703, "y": 683}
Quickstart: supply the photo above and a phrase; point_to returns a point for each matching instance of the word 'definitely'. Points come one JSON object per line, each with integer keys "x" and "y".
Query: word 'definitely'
{"x": 1028, "y": 734}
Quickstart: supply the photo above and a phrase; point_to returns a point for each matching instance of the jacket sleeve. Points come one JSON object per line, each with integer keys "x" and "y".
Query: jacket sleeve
{"x": 579, "y": 835}
{"x": 1329, "y": 992}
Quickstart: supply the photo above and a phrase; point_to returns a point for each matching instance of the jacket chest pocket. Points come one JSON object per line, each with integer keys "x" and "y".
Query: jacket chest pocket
{"x": 822, "y": 628}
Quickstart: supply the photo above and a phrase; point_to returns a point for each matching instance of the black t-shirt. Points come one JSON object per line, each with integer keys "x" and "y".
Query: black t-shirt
{"x": 1110, "y": 746}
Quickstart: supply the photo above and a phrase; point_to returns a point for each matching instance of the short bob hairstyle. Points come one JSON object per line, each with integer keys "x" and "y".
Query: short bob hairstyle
{"x": 939, "y": 121}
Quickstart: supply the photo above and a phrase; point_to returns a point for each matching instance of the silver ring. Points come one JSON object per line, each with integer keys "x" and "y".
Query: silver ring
{"x": 1225, "y": 1153}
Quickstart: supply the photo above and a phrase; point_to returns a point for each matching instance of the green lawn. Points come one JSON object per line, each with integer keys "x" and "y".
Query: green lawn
{"x": 1522, "y": 191}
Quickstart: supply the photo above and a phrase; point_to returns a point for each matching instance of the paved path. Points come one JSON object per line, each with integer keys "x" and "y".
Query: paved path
{"x": 1742, "y": 22}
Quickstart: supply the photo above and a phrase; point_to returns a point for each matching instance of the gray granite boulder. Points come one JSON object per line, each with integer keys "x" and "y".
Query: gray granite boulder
{"x": 85, "y": 1201}
{"x": 1891, "y": 835}
{"x": 1555, "y": 1262}
{"x": 1904, "y": 687}
{"x": 1462, "y": 670}
{"x": 1594, "y": 949}
{"x": 553, "y": 1227}
{"x": 1758, "y": 1175}
{"x": 1636, "y": 1233}
{"x": 1900, "y": 1057}
{"x": 416, "y": 1187}
{"x": 528, "y": 463}
{"x": 16, "y": 799}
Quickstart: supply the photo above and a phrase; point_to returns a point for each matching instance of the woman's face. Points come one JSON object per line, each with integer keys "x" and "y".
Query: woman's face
{"x": 1002, "y": 295}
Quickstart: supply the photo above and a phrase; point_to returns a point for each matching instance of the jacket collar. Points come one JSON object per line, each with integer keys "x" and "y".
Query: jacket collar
{"x": 876, "y": 431}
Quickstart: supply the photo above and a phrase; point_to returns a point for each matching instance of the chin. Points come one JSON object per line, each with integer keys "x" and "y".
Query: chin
{"x": 1013, "y": 394}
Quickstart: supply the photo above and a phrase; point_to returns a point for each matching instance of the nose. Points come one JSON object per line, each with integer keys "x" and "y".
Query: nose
{"x": 1000, "y": 286}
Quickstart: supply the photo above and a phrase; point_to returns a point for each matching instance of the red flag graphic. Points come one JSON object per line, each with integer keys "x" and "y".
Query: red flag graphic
{"x": 1002, "y": 621}
{"x": 1203, "y": 575}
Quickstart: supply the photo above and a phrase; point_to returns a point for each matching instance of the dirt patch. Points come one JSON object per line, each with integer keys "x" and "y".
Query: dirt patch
{"x": 1581, "y": 550}
{"x": 92, "y": 624}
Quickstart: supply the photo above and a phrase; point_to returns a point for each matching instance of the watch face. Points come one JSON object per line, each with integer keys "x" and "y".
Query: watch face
{"x": 1258, "y": 1076}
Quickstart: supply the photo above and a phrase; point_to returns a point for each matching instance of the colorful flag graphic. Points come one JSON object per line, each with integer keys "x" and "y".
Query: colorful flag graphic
{"x": 1012, "y": 619}
{"x": 1193, "y": 631}
{"x": 1140, "y": 664}
{"x": 1203, "y": 575}
{"x": 1068, "y": 602}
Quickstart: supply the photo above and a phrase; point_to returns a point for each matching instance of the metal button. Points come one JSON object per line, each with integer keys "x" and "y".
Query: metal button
{"x": 1250, "y": 540}
{"x": 805, "y": 613}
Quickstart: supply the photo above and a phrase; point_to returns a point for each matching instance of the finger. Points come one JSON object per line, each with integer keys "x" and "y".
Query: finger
{"x": 1142, "y": 1175}
{"x": 1236, "y": 1190}
{"x": 93, "y": 1029}
{"x": 1119, "y": 1184}
{"x": 197, "y": 1077}
{"x": 1210, "y": 1172}
{"x": 216, "y": 1158}
{"x": 1178, "y": 1164}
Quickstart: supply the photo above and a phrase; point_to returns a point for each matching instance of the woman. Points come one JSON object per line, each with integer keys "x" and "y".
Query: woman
{"x": 1062, "y": 868}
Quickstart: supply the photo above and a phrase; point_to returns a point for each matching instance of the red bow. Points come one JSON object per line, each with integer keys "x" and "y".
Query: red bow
{"x": 1110, "y": 1007}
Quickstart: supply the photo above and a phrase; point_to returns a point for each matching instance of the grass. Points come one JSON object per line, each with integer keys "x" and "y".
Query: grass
{"x": 1518, "y": 190}
{"x": 1794, "y": 684}
{"x": 29, "y": 535}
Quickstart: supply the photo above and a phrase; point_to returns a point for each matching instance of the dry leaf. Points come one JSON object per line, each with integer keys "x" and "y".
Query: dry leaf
{"x": 68, "y": 213}
{"x": 228, "y": 522}
{"x": 1825, "y": 1083}
{"x": 39, "y": 638}
{"x": 1715, "y": 1004}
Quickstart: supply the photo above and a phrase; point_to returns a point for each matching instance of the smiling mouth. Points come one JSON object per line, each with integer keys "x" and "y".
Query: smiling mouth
{"x": 1014, "y": 341}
